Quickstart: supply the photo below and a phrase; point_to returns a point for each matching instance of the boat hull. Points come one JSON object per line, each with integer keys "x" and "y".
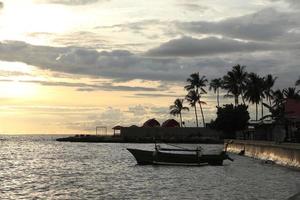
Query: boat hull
{"x": 144, "y": 157}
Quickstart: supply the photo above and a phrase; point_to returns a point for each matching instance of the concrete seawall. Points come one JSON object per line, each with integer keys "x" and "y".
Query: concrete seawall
{"x": 287, "y": 154}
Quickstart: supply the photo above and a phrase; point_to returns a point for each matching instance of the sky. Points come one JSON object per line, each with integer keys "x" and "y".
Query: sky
{"x": 67, "y": 66}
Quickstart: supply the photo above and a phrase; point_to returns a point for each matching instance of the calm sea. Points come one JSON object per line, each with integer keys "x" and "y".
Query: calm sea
{"x": 38, "y": 167}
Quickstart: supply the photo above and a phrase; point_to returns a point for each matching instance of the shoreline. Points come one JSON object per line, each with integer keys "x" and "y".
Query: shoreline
{"x": 115, "y": 139}
{"x": 284, "y": 154}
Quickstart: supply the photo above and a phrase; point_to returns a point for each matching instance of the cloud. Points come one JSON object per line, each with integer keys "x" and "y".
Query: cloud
{"x": 154, "y": 95}
{"x": 70, "y": 2}
{"x": 1, "y": 5}
{"x": 294, "y": 4}
{"x": 88, "y": 87}
{"x": 210, "y": 56}
{"x": 193, "y": 7}
{"x": 188, "y": 46}
{"x": 116, "y": 64}
{"x": 267, "y": 24}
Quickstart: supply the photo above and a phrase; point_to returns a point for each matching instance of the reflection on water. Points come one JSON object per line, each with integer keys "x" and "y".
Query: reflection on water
{"x": 39, "y": 167}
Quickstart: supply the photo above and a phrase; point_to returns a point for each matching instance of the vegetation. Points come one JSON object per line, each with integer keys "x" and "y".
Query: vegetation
{"x": 193, "y": 97}
{"x": 197, "y": 84}
{"x": 177, "y": 108}
{"x": 215, "y": 85}
{"x": 297, "y": 82}
{"x": 254, "y": 90}
{"x": 234, "y": 83}
{"x": 239, "y": 84}
{"x": 231, "y": 118}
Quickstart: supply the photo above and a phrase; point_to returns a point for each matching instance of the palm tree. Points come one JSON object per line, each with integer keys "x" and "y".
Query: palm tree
{"x": 254, "y": 90}
{"x": 234, "y": 83}
{"x": 297, "y": 82}
{"x": 197, "y": 84}
{"x": 291, "y": 93}
{"x": 276, "y": 108}
{"x": 216, "y": 84}
{"x": 269, "y": 81}
{"x": 177, "y": 108}
{"x": 193, "y": 97}
{"x": 277, "y": 97}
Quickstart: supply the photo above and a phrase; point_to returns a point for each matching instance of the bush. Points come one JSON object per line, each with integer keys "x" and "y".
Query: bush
{"x": 230, "y": 119}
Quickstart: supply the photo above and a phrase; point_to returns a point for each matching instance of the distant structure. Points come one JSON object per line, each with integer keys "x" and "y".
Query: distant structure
{"x": 101, "y": 130}
{"x": 151, "y": 123}
{"x": 170, "y": 123}
{"x": 117, "y": 130}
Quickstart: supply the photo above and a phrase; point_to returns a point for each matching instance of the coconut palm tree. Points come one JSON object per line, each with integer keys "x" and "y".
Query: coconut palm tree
{"x": 177, "y": 108}
{"x": 193, "y": 98}
{"x": 269, "y": 81}
{"x": 291, "y": 93}
{"x": 216, "y": 84}
{"x": 197, "y": 84}
{"x": 297, "y": 82}
{"x": 277, "y": 97}
{"x": 234, "y": 83}
{"x": 254, "y": 90}
{"x": 276, "y": 108}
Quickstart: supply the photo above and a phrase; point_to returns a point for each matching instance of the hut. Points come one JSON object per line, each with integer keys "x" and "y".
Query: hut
{"x": 117, "y": 130}
{"x": 151, "y": 123}
{"x": 170, "y": 123}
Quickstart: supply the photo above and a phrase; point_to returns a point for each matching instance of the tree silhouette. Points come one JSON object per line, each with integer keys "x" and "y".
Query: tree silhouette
{"x": 197, "y": 84}
{"x": 193, "y": 97}
{"x": 254, "y": 90}
{"x": 177, "y": 108}
{"x": 234, "y": 82}
{"x": 215, "y": 85}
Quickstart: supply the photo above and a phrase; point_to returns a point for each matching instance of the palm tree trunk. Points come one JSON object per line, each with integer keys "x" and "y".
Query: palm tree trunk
{"x": 243, "y": 98}
{"x": 256, "y": 111}
{"x": 202, "y": 113}
{"x": 262, "y": 108}
{"x": 218, "y": 100}
{"x": 196, "y": 115}
{"x": 236, "y": 100}
{"x": 180, "y": 119}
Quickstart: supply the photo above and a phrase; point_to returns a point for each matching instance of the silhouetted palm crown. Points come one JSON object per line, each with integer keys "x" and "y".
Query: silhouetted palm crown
{"x": 177, "y": 107}
{"x": 234, "y": 81}
{"x": 196, "y": 82}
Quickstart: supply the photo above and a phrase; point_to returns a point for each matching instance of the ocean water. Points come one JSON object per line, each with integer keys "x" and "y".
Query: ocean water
{"x": 38, "y": 167}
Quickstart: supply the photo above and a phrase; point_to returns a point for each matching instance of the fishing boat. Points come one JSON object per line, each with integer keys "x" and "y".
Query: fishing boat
{"x": 171, "y": 156}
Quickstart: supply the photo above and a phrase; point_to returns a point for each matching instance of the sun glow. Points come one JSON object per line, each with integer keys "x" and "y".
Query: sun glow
{"x": 16, "y": 89}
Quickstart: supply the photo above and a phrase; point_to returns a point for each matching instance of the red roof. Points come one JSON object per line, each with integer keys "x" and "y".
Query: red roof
{"x": 292, "y": 108}
{"x": 151, "y": 123}
{"x": 170, "y": 123}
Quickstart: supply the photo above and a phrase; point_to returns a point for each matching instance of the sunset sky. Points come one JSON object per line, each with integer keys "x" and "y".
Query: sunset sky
{"x": 69, "y": 65}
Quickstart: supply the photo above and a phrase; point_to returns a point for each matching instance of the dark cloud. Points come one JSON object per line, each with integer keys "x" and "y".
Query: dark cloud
{"x": 267, "y": 24}
{"x": 117, "y": 64}
{"x": 1, "y": 5}
{"x": 122, "y": 65}
{"x": 188, "y": 46}
{"x": 93, "y": 87}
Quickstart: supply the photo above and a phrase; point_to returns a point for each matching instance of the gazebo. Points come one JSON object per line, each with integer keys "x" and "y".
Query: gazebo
{"x": 117, "y": 130}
